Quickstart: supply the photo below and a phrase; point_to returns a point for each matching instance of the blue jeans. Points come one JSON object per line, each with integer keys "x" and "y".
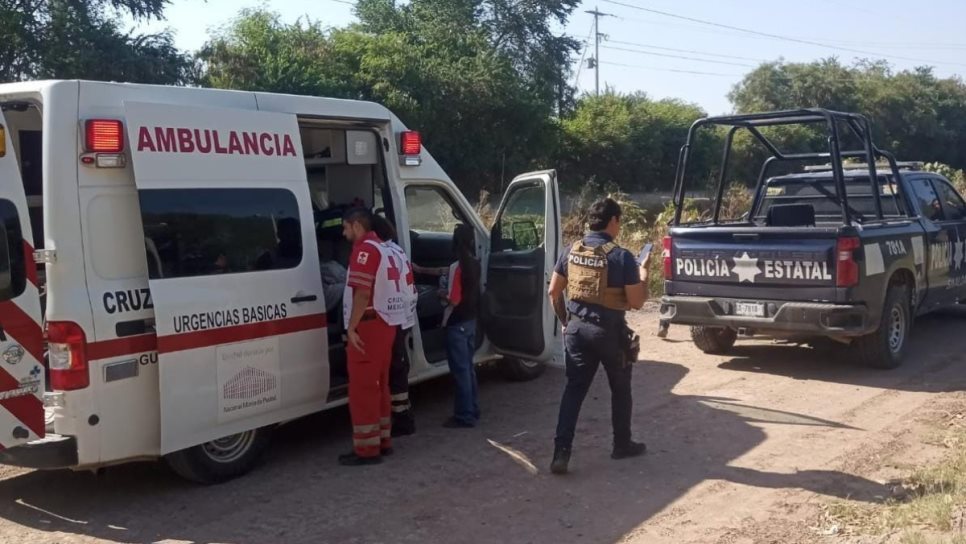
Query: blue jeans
{"x": 460, "y": 345}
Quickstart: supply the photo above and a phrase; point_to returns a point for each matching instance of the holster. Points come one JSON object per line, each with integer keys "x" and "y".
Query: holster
{"x": 630, "y": 344}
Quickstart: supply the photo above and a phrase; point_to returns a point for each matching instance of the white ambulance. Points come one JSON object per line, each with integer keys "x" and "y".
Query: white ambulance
{"x": 171, "y": 263}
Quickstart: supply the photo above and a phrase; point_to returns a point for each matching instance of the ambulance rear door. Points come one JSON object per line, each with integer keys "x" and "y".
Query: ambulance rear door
{"x": 235, "y": 280}
{"x": 21, "y": 335}
{"x": 524, "y": 245}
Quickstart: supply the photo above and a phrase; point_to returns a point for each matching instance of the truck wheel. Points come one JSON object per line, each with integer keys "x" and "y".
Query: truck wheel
{"x": 223, "y": 459}
{"x": 714, "y": 340}
{"x": 885, "y": 347}
{"x": 520, "y": 370}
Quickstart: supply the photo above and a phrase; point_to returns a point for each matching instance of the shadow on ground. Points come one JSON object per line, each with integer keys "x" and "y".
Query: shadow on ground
{"x": 488, "y": 484}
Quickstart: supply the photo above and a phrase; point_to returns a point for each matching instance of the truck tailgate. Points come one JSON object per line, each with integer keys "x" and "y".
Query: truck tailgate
{"x": 754, "y": 262}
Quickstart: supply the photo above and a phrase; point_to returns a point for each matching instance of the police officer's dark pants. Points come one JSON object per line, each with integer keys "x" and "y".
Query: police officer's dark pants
{"x": 587, "y": 346}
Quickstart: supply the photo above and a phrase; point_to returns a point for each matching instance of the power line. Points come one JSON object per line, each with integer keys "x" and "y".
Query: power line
{"x": 771, "y": 36}
{"x": 719, "y": 55}
{"x": 682, "y": 57}
{"x": 597, "y": 35}
{"x": 655, "y": 68}
{"x": 583, "y": 55}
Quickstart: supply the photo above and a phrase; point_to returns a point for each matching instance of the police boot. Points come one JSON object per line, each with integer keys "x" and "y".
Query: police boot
{"x": 630, "y": 449}
{"x": 403, "y": 423}
{"x": 561, "y": 460}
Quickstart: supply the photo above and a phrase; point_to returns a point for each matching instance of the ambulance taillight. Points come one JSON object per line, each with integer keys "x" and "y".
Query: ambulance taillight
{"x": 67, "y": 356}
{"x": 104, "y": 143}
{"x": 410, "y": 148}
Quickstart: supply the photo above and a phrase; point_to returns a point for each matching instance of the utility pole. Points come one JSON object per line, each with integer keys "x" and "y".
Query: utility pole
{"x": 597, "y": 36}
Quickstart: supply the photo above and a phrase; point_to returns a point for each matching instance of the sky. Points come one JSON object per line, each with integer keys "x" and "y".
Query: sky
{"x": 660, "y": 47}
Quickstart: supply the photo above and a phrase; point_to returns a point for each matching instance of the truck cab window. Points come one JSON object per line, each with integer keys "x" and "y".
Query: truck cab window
{"x": 954, "y": 209}
{"x": 13, "y": 279}
{"x": 927, "y": 199}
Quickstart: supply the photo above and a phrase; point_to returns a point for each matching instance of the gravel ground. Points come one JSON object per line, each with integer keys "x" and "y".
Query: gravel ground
{"x": 742, "y": 448}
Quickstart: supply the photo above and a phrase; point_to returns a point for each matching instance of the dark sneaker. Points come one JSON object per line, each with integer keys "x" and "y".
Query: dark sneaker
{"x": 386, "y": 452}
{"x": 561, "y": 460}
{"x": 353, "y": 460}
{"x": 453, "y": 423}
{"x": 631, "y": 449}
{"x": 403, "y": 426}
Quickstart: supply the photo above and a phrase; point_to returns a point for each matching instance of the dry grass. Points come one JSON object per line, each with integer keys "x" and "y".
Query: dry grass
{"x": 929, "y": 504}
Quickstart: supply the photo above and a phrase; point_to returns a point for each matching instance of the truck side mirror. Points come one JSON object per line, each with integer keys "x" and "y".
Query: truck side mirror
{"x": 6, "y": 273}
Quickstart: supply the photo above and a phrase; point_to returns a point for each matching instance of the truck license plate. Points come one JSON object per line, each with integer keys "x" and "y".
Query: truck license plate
{"x": 750, "y": 309}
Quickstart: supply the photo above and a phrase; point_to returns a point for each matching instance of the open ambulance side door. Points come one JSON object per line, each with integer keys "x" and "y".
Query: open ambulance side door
{"x": 21, "y": 335}
{"x": 240, "y": 316}
{"x": 524, "y": 246}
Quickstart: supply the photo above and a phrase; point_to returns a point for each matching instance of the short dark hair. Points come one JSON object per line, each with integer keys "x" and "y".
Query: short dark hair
{"x": 464, "y": 240}
{"x": 359, "y": 215}
{"x": 383, "y": 228}
{"x": 601, "y": 212}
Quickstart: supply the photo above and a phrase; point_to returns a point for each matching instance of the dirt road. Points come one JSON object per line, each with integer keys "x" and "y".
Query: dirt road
{"x": 743, "y": 448}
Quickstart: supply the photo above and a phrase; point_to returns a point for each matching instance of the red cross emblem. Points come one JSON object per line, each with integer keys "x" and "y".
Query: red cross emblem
{"x": 393, "y": 272}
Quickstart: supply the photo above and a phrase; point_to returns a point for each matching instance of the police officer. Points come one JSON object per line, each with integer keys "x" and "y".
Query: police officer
{"x": 602, "y": 281}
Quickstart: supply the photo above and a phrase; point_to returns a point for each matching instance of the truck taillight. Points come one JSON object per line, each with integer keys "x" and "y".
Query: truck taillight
{"x": 67, "y": 355}
{"x": 846, "y": 268}
{"x": 666, "y": 255}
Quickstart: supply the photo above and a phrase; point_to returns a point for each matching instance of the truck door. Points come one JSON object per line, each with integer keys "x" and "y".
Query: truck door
{"x": 21, "y": 335}
{"x": 524, "y": 245}
{"x": 941, "y": 238}
{"x": 954, "y": 222}
{"x": 240, "y": 317}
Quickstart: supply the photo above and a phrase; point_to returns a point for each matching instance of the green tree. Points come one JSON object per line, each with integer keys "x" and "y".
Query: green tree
{"x": 436, "y": 64}
{"x": 81, "y": 39}
{"x": 633, "y": 141}
{"x": 914, "y": 114}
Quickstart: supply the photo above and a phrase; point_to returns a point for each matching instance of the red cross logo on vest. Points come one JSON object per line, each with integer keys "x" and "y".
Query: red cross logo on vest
{"x": 393, "y": 272}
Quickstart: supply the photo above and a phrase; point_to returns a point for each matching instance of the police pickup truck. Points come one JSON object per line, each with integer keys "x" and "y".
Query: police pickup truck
{"x": 851, "y": 252}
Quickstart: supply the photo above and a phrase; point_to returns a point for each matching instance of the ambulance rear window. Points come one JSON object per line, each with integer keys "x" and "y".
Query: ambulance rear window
{"x": 201, "y": 232}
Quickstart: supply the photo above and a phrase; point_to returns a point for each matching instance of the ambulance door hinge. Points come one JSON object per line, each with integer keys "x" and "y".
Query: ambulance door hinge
{"x": 45, "y": 256}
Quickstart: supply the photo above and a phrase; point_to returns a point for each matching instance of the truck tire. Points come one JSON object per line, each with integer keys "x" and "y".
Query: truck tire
{"x": 714, "y": 340}
{"x": 520, "y": 370}
{"x": 885, "y": 347}
{"x": 223, "y": 459}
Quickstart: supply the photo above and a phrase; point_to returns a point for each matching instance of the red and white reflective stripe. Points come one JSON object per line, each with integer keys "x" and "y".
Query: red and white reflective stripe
{"x": 121, "y": 347}
{"x": 21, "y": 382}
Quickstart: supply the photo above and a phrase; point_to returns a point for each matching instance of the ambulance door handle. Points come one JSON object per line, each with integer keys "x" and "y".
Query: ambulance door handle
{"x": 298, "y": 299}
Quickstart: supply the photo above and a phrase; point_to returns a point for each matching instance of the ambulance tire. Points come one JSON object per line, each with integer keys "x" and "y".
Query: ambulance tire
{"x": 714, "y": 340}
{"x": 520, "y": 370}
{"x": 885, "y": 348}
{"x": 221, "y": 460}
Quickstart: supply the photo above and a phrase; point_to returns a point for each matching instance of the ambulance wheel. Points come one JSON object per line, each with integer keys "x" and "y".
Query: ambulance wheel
{"x": 885, "y": 347}
{"x": 223, "y": 459}
{"x": 714, "y": 340}
{"x": 521, "y": 370}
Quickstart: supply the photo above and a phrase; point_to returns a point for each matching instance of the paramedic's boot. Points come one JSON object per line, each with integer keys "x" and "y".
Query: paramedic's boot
{"x": 353, "y": 460}
{"x": 630, "y": 449}
{"x": 403, "y": 423}
{"x": 561, "y": 460}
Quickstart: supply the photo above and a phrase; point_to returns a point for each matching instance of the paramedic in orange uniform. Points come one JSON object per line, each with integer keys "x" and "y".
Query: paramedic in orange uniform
{"x": 369, "y": 348}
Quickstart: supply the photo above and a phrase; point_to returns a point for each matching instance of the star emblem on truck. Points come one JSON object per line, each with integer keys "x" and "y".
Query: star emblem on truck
{"x": 746, "y": 268}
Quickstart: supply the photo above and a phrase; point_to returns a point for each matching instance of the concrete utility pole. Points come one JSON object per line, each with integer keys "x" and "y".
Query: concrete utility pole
{"x": 597, "y": 36}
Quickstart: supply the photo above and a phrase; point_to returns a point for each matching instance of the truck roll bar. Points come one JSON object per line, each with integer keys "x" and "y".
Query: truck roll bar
{"x": 857, "y": 124}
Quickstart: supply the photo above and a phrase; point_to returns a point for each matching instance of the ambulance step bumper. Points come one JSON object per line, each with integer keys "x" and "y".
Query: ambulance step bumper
{"x": 786, "y": 316}
{"x": 52, "y": 451}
